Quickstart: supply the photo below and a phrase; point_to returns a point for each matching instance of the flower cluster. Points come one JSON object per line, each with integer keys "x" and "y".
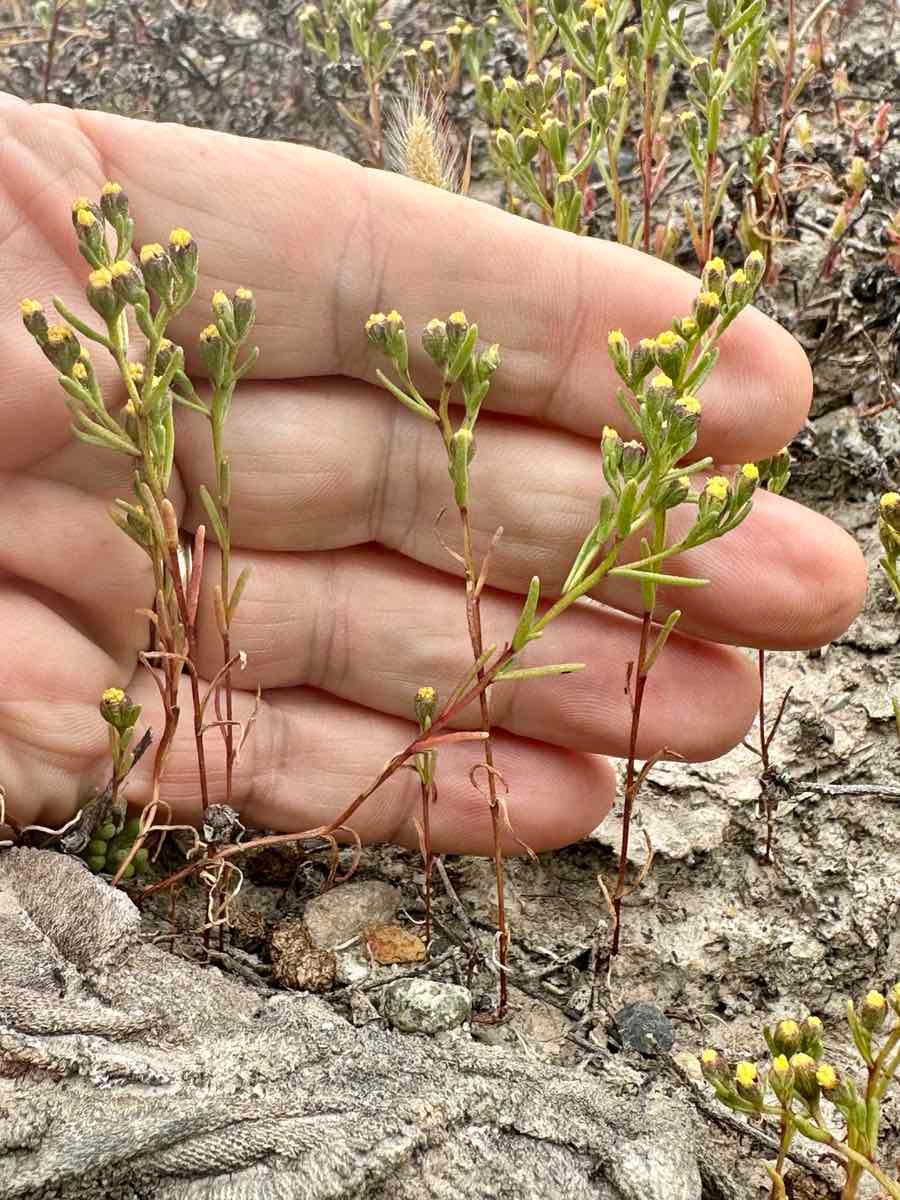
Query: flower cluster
{"x": 798, "y": 1081}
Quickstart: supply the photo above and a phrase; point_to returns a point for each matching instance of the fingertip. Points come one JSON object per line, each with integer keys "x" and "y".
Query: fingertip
{"x": 760, "y": 391}
{"x": 555, "y": 798}
{"x": 705, "y": 695}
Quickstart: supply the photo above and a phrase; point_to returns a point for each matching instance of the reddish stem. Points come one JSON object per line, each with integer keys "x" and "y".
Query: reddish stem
{"x": 632, "y": 781}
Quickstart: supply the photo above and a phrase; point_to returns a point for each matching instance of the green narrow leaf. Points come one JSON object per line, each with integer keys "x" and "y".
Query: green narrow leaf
{"x": 529, "y": 608}
{"x": 102, "y": 436}
{"x": 463, "y": 354}
{"x": 539, "y": 672}
{"x": 76, "y": 323}
{"x": 657, "y": 577}
{"x": 104, "y": 439}
{"x": 215, "y": 518}
{"x": 238, "y": 591}
{"x": 398, "y": 394}
{"x": 661, "y": 638}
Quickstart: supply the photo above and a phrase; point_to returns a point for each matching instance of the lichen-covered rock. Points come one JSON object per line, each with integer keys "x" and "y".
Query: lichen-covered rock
{"x": 339, "y": 915}
{"x": 425, "y": 1006}
{"x": 296, "y": 962}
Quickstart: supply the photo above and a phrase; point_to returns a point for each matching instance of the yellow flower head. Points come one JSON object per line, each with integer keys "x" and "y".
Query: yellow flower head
{"x": 780, "y": 1064}
{"x": 179, "y": 238}
{"x": 647, "y": 343}
{"x": 29, "y": 307}
{"x": 79, "y": 203}
{"x": 802, "y": 1062}
{"x": 80, "y": 372}
{"x": 122, "y": 266}
{"x": 85, "y": 218}
{"x": 874, "y": 1000}
{"x": 210, "y": 333}
{"x": 813, "y": 1022}
{"x": 660, "y": 381}
{"x": 457, "y": 318}
{"x": 750, "y": 472}
{"x": 385, "y": 26}
{"x": 745, "y": 1074}
{"x": 374, "y": 319}
{"x": 243, "y": 293}
{"x": 136, "y": 371}
{"x": 708, "y": 299}
{"x": 218, "y": 298}
{"x": 826, "y": 1076}
{"x": 667, "y": 340}
{"x": 889, "y": 501}
{"x": 788, "y": 1028}
{"x": 716, "y": 264}
{"x": 688, "y": 404}
{"x": 110, "y": 188}
{"x": 426, "y": 694}
{"x": 100, "y": 278}
{"x": 113, "y": 695}
{"x": 688, "y": 326}
{"x": 709, "y": 1056}
{"x": 739, "y": 277}
{"x": 395, "y": 318}
{"x": 427, "y": 47}
{"x": 150, "y": 251}
{"x": 609, "y": 432}
{"x": 57, "y": 334}
{"x": 717, "y": 487}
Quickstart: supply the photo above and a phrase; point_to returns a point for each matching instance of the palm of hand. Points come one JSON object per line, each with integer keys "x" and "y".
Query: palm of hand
{"x": 353, "y": 605}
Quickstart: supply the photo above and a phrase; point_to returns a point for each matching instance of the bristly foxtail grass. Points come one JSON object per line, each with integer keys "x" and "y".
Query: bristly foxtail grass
{"x": 420, "y": 141}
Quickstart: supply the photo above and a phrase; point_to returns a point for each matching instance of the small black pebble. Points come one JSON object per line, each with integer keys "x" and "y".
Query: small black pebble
{"x": 643, "y": 1028}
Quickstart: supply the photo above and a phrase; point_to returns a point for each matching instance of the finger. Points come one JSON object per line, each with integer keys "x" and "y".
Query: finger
{"x": 350, "y": 466}
{"x": 370, "y": 627}
{"x": 305, "y": 759}
{"x": 52, "y": 740}
{"x": 309, "y": 755}
{"x": 60, "y": 543}
{"x": 323, "y": 242}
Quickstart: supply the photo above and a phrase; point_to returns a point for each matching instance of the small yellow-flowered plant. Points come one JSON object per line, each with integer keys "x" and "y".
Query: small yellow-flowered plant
{"x": 135, "y": 303}
{"x": 645, "y": 477}
{"x": 804, "y": 1094}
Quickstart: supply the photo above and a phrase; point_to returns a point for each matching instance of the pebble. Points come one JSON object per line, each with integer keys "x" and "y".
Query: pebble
{"x": 389, "y": 944}
{"x": 344, "y": 912}
{"x": 352, "y": 966}
{"x": 425, "y": 1005}
{"x": 643, "y": 1028}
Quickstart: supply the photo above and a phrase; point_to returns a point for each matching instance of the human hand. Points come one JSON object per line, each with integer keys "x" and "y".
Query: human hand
{"x": 353, "y": 604}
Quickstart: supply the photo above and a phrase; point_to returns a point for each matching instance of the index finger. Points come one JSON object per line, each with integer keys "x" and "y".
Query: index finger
{"x": 323, "y": 242}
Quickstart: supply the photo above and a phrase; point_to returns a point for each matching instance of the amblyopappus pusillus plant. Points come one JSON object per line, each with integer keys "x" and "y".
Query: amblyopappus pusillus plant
{"x": 135, "y": 302}
{"x": 646, "y": 477}
{"x": 804, "y": 1094}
